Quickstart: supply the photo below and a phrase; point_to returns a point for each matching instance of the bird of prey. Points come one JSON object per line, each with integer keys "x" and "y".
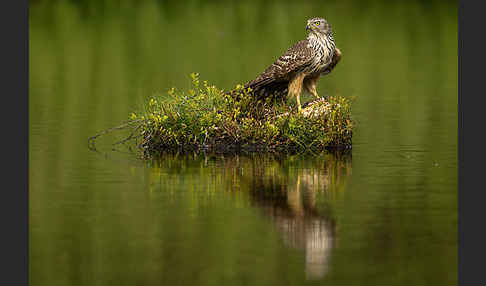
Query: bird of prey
{"x": 300, "y": 66}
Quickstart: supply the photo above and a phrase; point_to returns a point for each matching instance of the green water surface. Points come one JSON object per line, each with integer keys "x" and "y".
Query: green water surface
{"x": 383, "y": 214}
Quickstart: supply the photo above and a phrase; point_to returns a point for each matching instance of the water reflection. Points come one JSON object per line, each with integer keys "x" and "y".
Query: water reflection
{"x": 289, "y": 199}
{"x": 292, "y": 209}
{"x": 292, "y": 192}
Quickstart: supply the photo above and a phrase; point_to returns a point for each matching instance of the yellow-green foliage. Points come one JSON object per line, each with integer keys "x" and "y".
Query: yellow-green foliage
{"x": 204, "y": 117}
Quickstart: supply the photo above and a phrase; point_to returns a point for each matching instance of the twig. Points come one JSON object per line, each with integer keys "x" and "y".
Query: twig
{"x": 91, "y": 140}
{"x": 129, "y": 137}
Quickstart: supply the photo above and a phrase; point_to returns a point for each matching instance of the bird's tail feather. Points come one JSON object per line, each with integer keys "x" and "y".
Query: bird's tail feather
{"x": 262, "y": 89}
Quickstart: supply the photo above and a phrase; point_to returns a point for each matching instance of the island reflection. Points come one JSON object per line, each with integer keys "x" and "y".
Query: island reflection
{"x": 292, "y": 192}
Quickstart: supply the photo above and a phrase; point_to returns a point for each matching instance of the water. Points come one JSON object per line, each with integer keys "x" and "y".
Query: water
{"x": 385, "y": 214}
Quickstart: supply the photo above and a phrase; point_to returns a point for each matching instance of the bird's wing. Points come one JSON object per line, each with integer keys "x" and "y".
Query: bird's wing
{"x": 293, "y": 61}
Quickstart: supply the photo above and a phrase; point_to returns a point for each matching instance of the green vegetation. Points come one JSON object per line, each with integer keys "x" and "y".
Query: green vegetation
{"x": 205, "y": 117}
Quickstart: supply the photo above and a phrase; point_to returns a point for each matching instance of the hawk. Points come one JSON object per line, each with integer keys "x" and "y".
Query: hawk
{"x": 300, "y": 66}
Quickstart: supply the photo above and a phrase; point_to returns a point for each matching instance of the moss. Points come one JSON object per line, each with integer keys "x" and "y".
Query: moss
{"x": 206, "y": 118}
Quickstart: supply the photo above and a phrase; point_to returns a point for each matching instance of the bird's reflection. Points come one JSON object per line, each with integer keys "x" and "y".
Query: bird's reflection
{"x": 294, "y": 195}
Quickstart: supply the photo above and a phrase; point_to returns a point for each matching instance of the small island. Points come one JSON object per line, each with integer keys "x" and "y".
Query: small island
{"x": 207, "y": 118}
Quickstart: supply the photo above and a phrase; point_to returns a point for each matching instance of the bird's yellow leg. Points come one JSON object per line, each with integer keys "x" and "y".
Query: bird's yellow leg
{"x": 299, "y": 107}
{"x": 295, "y": 87}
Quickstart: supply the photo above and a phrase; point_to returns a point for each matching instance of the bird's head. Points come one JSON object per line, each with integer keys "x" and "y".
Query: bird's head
{"x": 318, "y": 26}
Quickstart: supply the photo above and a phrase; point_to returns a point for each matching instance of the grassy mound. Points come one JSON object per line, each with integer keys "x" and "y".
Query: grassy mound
{"x": 204, "y": 117}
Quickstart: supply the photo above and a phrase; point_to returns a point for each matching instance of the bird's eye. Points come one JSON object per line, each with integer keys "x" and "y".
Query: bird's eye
{"x": 317, "y": 23}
